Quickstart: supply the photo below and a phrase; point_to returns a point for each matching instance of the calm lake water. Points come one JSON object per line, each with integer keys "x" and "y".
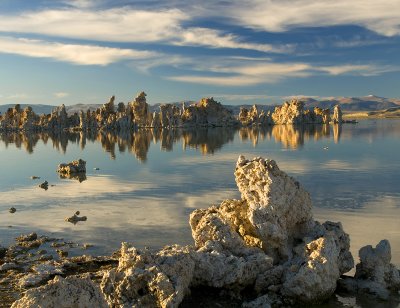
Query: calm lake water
{"x": 149, "y": 182}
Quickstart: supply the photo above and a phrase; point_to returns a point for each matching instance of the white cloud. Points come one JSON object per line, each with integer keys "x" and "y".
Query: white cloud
{"x": 112, "y": 25}
{"x": 216, "y": 39}
{"x": 229, "y": 73}
{"x": 17, "y": 96}
{"x": 382, "y": 16}
{"x": 363, "y": 70}
{"x": 72, "y": 53}
{"x": 126, "y": 25}
{"x": 61, "y": 94}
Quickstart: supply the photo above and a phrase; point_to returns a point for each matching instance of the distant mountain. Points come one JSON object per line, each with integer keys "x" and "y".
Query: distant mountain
{"x": 71, "y": 109}
{"x": 39, "y": 109}
{"x": 364, "y": 103}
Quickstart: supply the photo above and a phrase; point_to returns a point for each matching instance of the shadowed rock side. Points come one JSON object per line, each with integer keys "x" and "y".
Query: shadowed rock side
{"x": 136, "y": 114}
{"x": 265, "y": 247}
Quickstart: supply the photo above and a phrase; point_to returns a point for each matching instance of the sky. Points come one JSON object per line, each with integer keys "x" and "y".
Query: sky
{"x": 239, "y": 52}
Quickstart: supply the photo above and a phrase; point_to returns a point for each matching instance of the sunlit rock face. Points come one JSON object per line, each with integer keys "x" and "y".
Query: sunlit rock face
{"x": 207, "y": 112}
{"x": 289, "y": 113}
{"x": 143, "y": 279}
{"x": 293, "y": 113}
{"x": 140, "y": 109}
{"x": 74, "y": 167}
{"x": 279, "y": 208}
{"x": 253, "y": 117}
{"x": 302, "y": 259}
{"x": 337, "y": 117}
{"x": 60, "y": 292}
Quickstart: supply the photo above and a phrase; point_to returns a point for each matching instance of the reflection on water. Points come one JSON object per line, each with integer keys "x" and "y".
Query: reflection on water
{"x": 206, "y": 140}
{"x": 150, "y": 180}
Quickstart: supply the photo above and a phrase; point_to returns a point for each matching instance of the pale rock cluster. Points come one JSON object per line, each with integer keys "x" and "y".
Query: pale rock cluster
{"x": 143, "y": 279}
{"x": 293, "y": 113}
{"x": 267, "y": 242}
{"x": 337, "y": 117}
{"x": 76, "y": 166}
{"x": 374, "y": 274}
{"x": 136, "y": 114}
{"x": 254, "y": 117}
{"x": 64, "y": 293}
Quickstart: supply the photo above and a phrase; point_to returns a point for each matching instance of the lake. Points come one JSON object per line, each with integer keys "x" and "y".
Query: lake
{"x": 148, "y": 182}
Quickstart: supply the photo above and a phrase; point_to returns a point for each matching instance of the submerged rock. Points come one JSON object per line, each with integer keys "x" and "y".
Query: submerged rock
{"x": 74, "y": 219}
{"x": 44, "y": 185}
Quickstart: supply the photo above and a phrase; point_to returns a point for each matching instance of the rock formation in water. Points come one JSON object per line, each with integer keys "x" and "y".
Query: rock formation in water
{"x": 293, "y": 113}
{"x": 76, "y": 166}
{"x": 136, "y": 114}
{"x": 253, "y": 117}
{"x": 267, "y": 243}
{"x": 337, "y": 117}
{"x": 375, "y": 275}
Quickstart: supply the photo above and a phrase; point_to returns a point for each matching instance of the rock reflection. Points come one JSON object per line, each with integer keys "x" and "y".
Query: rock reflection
{"x": 73, "y": 176}
{"x": 291, "y": 136}
{"x": 138, "y": 142}
{"x": 206, "y": 140}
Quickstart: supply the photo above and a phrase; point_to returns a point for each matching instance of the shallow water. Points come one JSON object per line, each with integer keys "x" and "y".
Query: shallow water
{"x": 148, "y": 182}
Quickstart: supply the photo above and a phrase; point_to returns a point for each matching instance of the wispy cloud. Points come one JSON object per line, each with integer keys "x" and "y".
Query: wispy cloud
{"x": 61, "y": 94}
{"x": 72, "y": 53}
{"x": 216, "y": 39}
{"x": 232, "y": 74}
{"x": 382, "y": 17}
{"x": 17, "y": 96}
{"x": 127, "y": 25}
{"x": 241, "y": 97}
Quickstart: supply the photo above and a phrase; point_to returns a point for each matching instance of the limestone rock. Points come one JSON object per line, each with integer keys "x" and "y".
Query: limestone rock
{"x": 76, "y": 166}
{"x": 289, "y": 113}
{"x": 259, "y": 302}
{"x": 140, "y": 109}
{"x": 375, "y": 274}
{"x": 207, "y": 113}
{"x": 315, "y": 278}
{"x": 63, "y": 293}
{"x": 279, "y": 208}
{"x": 143, "y": 279}
{"x": 337, "y": 115}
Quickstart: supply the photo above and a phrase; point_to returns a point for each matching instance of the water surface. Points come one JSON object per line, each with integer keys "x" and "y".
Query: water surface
{"x": 149, "y": 181}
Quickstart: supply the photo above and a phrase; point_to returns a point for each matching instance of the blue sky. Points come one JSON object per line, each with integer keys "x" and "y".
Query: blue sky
{"x": 253, "y": 51}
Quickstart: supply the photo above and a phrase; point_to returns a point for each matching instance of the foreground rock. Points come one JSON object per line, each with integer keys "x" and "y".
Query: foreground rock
{"x": 265, "y": 247}
{"x": 143, "y": 279}
{"x": 375, "y": 275}
{"x": 60, "y": 292}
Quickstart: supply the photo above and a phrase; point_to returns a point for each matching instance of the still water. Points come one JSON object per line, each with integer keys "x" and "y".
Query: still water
{"x": 148, "y": 182}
